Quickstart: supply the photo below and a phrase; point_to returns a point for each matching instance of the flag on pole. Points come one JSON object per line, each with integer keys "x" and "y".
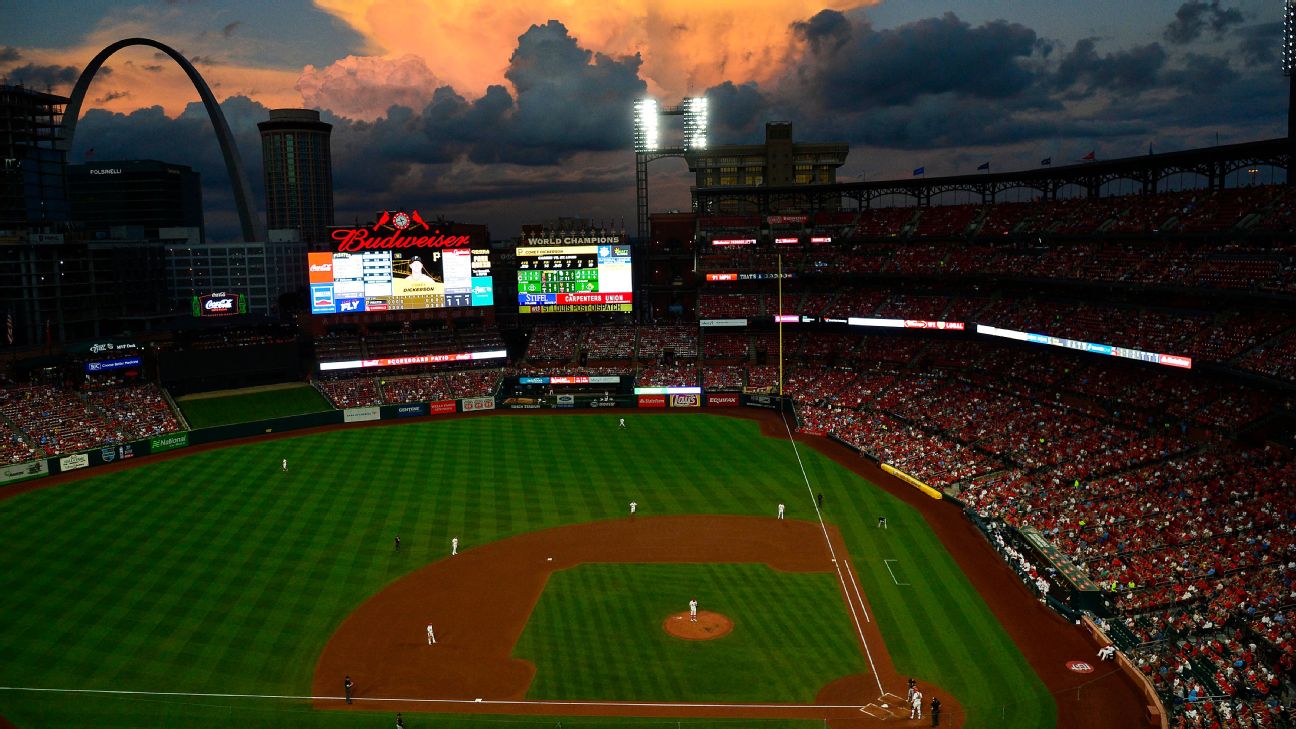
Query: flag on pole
{"x": 984, "y": 166}
{"x": 1088, "y": 157}
{"x": 9, "y": 327}
{"x": 919, "y": 171}
{"x": 1046, "y": 161}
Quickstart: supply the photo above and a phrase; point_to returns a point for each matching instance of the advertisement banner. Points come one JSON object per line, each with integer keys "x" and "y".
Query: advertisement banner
{"x": 761, "y": 401}
{"x": 105, "y": 365}
{"x": 71, "y": 463}
{"x": 474, "y": 404}
{"x": 168, "y": 442}
{"x": 652, "y": 401}
{"x": 17, "y": 471}
{"x": 728, "y": 400}
{"x": 722, "y": 323}
{"x": 566, "y": 401}
{"x": 411, "y": 410}
{"x": 442, "y": 407}
{"x": 685, "y": 401}
{"x": 361, "y": 415}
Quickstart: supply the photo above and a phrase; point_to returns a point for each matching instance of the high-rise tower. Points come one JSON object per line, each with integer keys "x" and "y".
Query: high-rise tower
{"x": 298, "y": 167}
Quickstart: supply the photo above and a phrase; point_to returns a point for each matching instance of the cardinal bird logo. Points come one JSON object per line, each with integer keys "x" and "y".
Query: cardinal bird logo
{"x": 382, "y": 220}
{"x": 419, "y": 219}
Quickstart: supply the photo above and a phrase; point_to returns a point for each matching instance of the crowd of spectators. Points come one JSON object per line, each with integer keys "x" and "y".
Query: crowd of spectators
{"x": 44, "y": 419}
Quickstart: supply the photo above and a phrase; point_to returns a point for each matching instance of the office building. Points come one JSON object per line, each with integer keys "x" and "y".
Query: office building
{"x": 144, "y": 196}
{"x": 297, "y": 162}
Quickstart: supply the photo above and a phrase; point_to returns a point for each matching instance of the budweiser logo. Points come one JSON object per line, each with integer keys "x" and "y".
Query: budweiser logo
{"x": 361, "y": 239}
{"x": 219, "y": 304}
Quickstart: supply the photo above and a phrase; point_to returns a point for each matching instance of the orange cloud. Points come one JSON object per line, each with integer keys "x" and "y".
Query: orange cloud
{"x": 686, "y": 45}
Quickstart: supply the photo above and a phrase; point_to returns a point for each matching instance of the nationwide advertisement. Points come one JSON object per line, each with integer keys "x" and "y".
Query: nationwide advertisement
{"x": 168, "y": 442}
{"x": 722, "y": 400}
{"x": 1167, "y": 360}
{"x": 17, "y": 471}
{"x": 553, "y": 279}
{"x": 106, "y": 365}
{"x": 685, "y": 401}
{"x": 220, "y": 303}
{"x": 71, "y": 463}
{"x": 652, "y": 401}
{"x": 361, "y": 415}
{"x": 411, "y": 410}
{"x": 413, "y": 359}
{"x": 400, "y": 263}
{"x": 475, "y": 404}
{"x": 442, "y": 407}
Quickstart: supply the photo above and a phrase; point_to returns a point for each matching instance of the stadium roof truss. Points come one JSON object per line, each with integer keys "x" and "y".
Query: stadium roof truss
{"x": 1213, "y": 164}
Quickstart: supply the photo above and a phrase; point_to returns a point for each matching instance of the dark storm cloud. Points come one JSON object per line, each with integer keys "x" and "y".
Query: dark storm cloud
{"x": 1259, "y": 43}
{"x": 569, "y": 97}
{"x": 1195, "y": 17}
{"x": 868, "y": 67}
{"x": 228, "y": 30}
{"x": 112, "y": 96}
{"x": 40, "y": 77}
{"x": 9, "y": 54}
{"x": 1085, "y": 71}
{"x": 735, "y": 112}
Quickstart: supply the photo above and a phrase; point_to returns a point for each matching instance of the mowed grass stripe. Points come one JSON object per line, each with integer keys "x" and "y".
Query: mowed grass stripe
{"x": 248, "y": 570}
{"x": 596, "y": 634}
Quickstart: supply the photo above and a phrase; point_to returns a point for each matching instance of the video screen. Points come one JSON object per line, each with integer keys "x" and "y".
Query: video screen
{"x": 574, "y": 278}
{"x": 400, "y": 279}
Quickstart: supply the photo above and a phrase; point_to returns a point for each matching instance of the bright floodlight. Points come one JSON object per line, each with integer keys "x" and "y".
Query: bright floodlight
{"x": 695, "y": 122}
{"x": 645, "y": 127}
{"x": 1289, "y": 36}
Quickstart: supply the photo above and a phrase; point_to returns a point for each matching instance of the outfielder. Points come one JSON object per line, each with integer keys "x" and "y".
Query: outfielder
{"x": 693, "y": 610}
{"x": 633, "y": 505}
{"x": 431, "y": 635}
{"x": 621, "y": 423}
{"x": 284, "y": 465}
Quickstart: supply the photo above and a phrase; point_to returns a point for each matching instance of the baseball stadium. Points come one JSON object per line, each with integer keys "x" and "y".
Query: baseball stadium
{"x": 1004, "y": 449}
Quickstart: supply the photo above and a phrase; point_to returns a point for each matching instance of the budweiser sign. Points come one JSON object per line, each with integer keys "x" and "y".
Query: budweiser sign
{"x": 350, "y": 240}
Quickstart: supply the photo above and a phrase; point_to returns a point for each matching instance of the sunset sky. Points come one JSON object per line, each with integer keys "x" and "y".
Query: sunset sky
{"x": 508, "y": 113}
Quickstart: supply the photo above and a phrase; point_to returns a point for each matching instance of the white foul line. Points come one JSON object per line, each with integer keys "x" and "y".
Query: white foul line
{"x": 828, "y": 540}
{"x": 474, "y": 702}
{"x": 888, "y": 562}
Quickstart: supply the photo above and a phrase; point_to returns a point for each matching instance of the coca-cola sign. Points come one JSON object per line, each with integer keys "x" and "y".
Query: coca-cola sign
{"x": 219, "y": 303}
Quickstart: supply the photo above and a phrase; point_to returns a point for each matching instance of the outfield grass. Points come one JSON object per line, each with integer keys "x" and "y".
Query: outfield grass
{"x": 217, "y": 573}
{"x": 787, "y": 624}
{"x": 208, "y": 411}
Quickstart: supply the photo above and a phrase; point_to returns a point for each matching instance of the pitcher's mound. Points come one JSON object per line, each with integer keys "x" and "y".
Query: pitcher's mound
{"x": 709, "y": 626}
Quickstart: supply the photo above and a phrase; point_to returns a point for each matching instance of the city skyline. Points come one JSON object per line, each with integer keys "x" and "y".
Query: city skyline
{"x": 531, "y": 119}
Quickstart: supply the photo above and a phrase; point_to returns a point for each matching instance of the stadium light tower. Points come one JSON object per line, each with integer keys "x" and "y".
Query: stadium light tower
{"x": 648, "y": 143}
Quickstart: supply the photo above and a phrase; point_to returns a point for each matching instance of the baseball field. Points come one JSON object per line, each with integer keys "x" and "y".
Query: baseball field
{"x": 209, "y": 589}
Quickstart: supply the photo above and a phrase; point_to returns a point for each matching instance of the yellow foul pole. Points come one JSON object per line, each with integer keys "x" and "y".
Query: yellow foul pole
{"x": 780, "y": 322}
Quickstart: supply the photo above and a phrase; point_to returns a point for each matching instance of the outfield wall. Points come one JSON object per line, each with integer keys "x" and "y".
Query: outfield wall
{"x": 64, "y": 463}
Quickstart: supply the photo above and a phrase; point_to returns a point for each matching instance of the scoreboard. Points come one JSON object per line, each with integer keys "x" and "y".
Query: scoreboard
{"x": 573, "y": 278}
{"x": 393, "y": 280}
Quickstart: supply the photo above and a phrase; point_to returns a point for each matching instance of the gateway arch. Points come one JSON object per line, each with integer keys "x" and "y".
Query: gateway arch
{"x": 253, "y": 230}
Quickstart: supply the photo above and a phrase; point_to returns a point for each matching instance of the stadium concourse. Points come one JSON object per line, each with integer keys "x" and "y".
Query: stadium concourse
{"x": 1172, "y": 489}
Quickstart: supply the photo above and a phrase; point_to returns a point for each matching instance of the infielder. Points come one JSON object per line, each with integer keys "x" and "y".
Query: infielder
{"x": 915, "y": 710}
{"x": 454, "y": 546}
{"x": 693, "y": 610}
{"x": 780, "y": 511}
{"x": 431, "y": 635}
